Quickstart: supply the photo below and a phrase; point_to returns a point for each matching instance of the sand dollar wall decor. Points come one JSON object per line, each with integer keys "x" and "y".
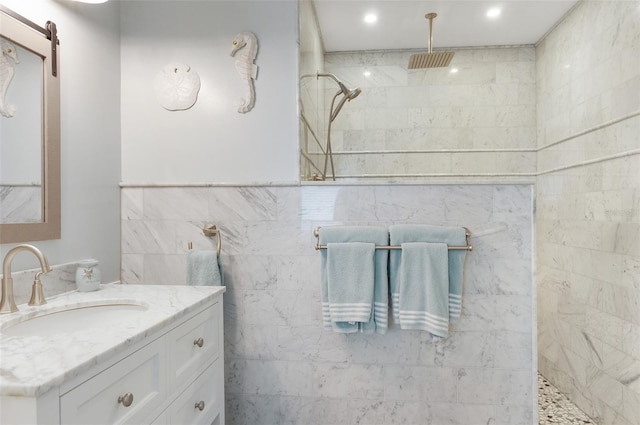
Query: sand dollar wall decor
{"x": 177, "y": 86}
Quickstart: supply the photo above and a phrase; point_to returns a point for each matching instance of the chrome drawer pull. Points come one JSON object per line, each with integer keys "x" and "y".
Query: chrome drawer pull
{"x": 199, "y": 342}
{"x": 126, "y": 399}
{"x": 200, "y": 405}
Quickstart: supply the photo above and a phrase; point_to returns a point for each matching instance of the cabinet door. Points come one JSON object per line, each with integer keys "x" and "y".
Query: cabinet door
{"x": 126, "y": 393}
{"x": 193, "y": 346}
{"x": 201, "y": 403}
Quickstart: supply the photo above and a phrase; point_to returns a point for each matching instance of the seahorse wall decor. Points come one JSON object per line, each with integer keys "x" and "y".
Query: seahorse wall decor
{"x": 6, "y": 75}
{"x": 247, "y": 44}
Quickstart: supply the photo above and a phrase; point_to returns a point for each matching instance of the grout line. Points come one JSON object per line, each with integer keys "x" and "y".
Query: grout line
{"x": 590, "y": 130}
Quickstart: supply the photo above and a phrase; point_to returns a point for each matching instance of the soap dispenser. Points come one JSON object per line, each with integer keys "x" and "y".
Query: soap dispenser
{"x": 88, "y": 275}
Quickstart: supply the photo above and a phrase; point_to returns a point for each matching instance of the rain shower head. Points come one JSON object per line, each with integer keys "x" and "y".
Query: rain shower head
{"x": 430, "y": 59}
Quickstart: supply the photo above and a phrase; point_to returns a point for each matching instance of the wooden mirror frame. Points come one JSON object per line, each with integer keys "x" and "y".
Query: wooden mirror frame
{"x": 43, "y": 42}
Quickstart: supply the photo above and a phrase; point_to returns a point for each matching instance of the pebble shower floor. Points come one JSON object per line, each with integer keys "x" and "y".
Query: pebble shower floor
{"x": 555, "y": 408}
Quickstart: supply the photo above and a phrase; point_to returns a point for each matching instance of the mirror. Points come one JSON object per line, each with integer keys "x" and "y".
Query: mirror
{"x": 21, "y": 167}
{"x": 29, "y": 130}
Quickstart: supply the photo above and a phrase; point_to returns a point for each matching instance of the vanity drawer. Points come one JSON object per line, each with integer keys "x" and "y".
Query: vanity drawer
{"x": 202, "y": 401}
{"x": 96, "y": 401}
{"x": 194, "y": 345}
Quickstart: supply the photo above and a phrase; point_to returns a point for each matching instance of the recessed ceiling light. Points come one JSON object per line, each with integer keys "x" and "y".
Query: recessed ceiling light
{"x": 370, "y": 18}
{"x": 366, "y": 73}
{"x": 454, "y": 70}
{"x": 493, "y": 13}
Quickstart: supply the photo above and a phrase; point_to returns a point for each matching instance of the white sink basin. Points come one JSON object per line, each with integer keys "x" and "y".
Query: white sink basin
{"x": 73, "y": 319}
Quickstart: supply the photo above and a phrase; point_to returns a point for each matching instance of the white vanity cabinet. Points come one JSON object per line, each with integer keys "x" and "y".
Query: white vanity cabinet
{"x": 180, "y": 372}
{"x": 195, "y": 351}
{"x": 174, "y": 375}
{"x": 193, "y": 345}
{"x": 125, "y": 393}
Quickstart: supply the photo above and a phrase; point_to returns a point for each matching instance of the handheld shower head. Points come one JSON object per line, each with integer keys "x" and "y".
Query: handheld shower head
{"x": 347, "y": 96}
{"x": 353, "y": 93}
{"x": 347, "y": 92}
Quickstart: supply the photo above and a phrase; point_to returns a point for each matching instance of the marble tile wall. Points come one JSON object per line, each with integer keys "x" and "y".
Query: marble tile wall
{"x": 479, "y": 120}
{"x": 283, "y": 368}
{"x": 588, "y": 209}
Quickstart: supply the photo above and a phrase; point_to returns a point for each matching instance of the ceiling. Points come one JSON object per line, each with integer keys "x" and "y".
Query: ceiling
{"x": 460, "y": 23}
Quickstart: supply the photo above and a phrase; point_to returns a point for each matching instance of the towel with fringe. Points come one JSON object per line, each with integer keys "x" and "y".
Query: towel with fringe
{"x": 424, "y": 288}
{"x": 452, "y": 236}
{"x": 350, "y": 275}
{"x": 378, "y": 321}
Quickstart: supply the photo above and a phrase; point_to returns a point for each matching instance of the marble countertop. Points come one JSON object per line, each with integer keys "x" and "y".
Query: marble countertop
{"x": 31, "y": 365}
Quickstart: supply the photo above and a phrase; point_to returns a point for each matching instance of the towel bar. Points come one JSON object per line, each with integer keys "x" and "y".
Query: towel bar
{"x": 212, "y": 230}
{"x": 316, "y": 233}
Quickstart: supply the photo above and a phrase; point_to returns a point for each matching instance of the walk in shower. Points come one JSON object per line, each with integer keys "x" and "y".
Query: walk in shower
{"x": 560, "y": 116}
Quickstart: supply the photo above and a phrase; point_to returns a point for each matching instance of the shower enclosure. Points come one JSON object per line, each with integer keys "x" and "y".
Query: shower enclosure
{"x": 559, "y": 116}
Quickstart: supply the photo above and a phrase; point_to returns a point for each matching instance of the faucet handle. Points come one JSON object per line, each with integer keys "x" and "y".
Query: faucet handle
{"x": 37, "y": 295}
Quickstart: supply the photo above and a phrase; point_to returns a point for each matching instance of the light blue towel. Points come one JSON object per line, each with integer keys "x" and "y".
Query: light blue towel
{"x": 369, "y": 234}
{"x": 452, "y": 236}
{"x": 424, "y": 288}
{"x": 203, "y": 268}
{"x": 350, "y": 276}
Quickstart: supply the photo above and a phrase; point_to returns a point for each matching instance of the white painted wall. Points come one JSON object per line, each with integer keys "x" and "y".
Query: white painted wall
{"x": 90, "y": 132}
{"x": 211, "y": 142}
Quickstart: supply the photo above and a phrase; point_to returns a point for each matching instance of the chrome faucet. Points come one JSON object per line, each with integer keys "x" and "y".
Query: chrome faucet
{"x": 7, "y": 303}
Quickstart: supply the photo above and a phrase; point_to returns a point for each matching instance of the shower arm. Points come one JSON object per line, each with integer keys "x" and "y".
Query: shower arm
{"x": 430, "y": 17}
{"x": 330, "y": 75}
{"x": 340, "y": 84}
